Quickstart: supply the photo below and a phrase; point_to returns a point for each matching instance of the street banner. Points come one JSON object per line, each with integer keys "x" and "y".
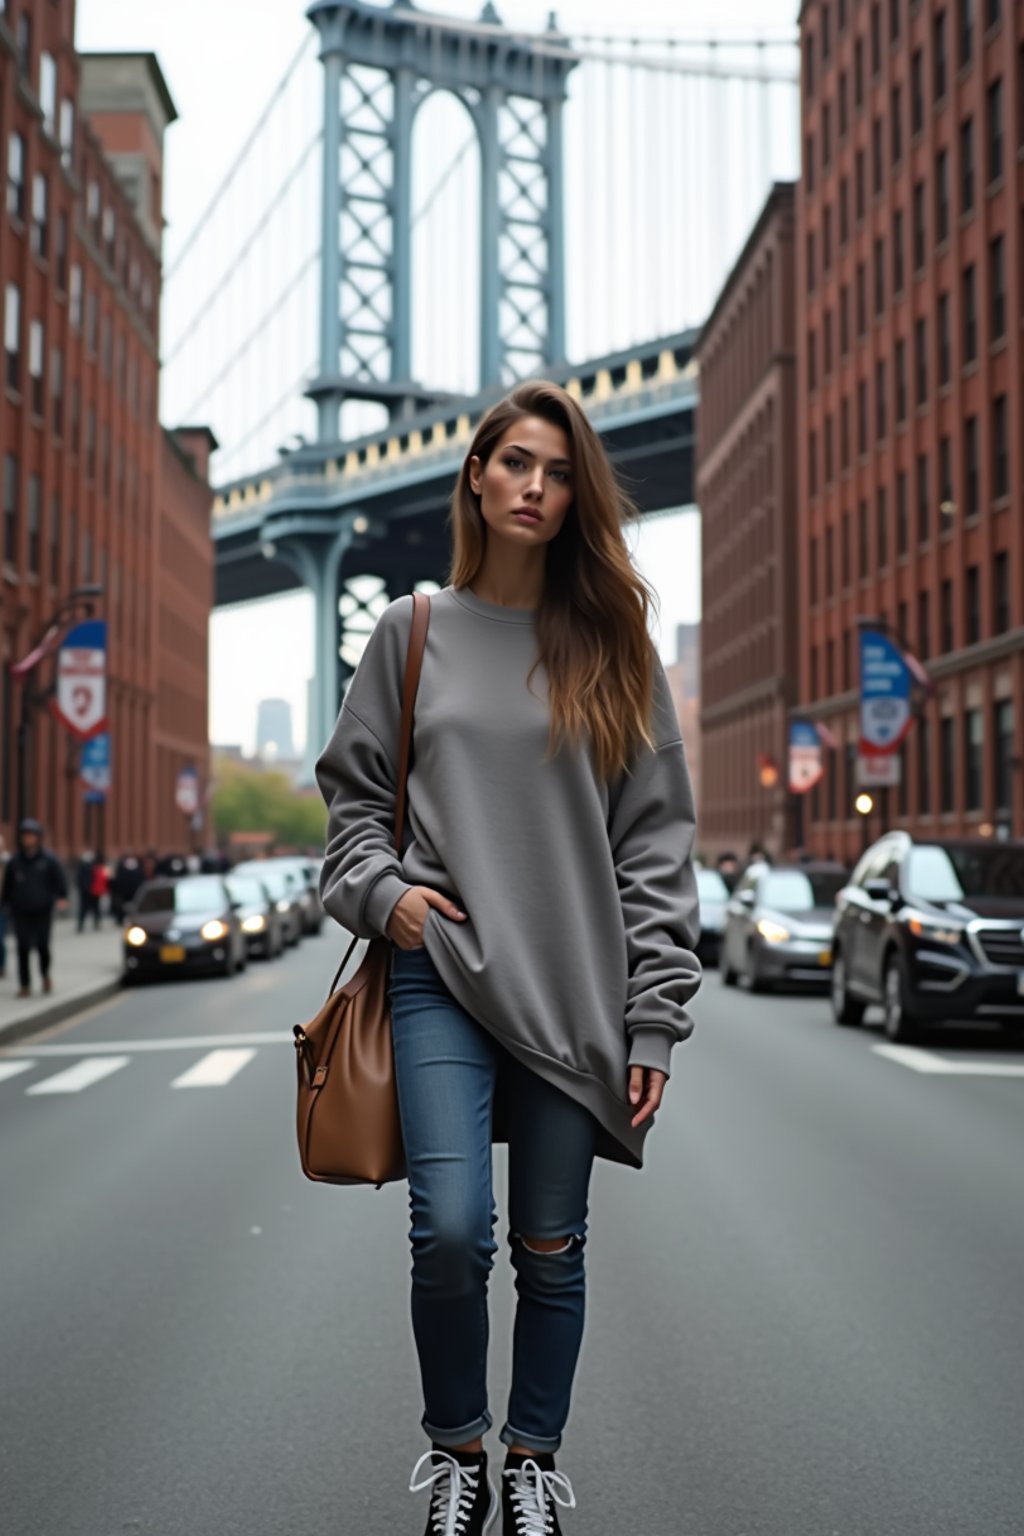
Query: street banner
{"x": 879, "y": 772}
{"x": 80, "y": 700}
{"x": 806, "y": 764}
{"x": 186, "y": 793}
{"x": 885, "y": 689}
{"x": 94, "y": 767}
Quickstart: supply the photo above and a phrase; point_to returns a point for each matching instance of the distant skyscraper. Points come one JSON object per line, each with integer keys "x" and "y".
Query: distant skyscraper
{"x": 274, "y": 729}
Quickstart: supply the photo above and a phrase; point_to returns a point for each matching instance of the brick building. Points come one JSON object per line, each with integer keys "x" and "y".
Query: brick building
{"x": 746, "y": 489}
{"x": 683, "y": 676}
{"x": 909, "y": 217}
{"x": 93, "y": 490}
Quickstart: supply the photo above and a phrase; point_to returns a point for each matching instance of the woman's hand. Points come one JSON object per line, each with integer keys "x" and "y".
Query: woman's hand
{"x": 646, "y": 1086}
{"x": 405, "y": 925}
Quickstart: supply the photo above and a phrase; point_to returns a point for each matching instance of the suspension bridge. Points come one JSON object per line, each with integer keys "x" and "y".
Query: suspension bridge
{"x": 428, "y": 208}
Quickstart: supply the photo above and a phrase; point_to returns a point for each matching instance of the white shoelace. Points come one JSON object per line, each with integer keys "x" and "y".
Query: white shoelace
{"x": 530, "y": 1491}
{"x": 455, "y": 1493}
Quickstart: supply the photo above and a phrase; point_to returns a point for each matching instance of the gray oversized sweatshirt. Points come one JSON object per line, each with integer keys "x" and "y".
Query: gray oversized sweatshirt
{"x": 581, "y": 901}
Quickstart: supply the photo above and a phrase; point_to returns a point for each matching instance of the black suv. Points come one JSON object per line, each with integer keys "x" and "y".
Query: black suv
{"x": 931, "y": 929}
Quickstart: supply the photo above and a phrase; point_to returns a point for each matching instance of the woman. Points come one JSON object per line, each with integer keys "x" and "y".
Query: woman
{"x": 543, "y": 916}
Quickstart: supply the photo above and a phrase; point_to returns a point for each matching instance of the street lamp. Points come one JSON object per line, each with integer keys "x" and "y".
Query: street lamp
{"x": 44, "y": 645}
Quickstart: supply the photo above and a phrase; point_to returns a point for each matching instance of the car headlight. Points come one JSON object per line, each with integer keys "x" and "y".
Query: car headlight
{"x": 283, "y": 906}
{"x": 214, "y": 930}
{"x": 774, "y": 933}
{"x": 254, "y": 924}
{"x": 135, "y": 936}
{"x": 933, "y": 932}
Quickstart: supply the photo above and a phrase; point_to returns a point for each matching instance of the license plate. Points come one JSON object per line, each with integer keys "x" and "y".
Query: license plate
{"x": 170, "y": 953}
{"x": 824, "y": 957}
{"x": 1020, "y": 983}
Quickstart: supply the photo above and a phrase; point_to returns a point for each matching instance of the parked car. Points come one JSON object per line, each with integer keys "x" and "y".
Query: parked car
{"x": 307, "y": 871}
{"x": 714, "y": 898}
{"x": 932, "y": 929}
{"x": 778, "y": 925}
{"x": 285, "y": 888}
{"x": 188, "y": 923}
{"x": 262, "y": 923}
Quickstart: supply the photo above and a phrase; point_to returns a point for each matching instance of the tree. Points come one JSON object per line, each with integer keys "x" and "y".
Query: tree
{"x": 247, "y": 799}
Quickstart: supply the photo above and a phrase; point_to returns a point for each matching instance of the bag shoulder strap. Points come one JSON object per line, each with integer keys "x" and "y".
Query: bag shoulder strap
{"x": 413, "y": 667}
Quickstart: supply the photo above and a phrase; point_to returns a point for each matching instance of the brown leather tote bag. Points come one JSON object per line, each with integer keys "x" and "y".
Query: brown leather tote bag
{"x": 348, "y": 1125}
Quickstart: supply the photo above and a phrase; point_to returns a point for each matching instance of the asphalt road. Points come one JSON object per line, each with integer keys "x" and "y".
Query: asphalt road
{"x": 806, "y": 1315}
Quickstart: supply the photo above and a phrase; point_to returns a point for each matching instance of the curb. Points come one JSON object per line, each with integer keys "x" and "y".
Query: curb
{"x": 58, "y": 1010}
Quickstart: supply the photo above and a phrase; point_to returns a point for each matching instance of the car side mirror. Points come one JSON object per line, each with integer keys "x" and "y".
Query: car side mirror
{"x": 880, "y": 890}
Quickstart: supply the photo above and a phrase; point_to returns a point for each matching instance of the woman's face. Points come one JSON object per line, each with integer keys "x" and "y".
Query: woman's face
{"x": 526, "y": 486}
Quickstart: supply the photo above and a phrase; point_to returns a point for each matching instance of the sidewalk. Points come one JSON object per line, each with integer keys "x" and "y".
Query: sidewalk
{"x": 85, "y": 968}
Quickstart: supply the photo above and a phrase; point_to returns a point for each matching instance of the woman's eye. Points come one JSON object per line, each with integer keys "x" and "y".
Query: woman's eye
{"x": 514, "y": 463}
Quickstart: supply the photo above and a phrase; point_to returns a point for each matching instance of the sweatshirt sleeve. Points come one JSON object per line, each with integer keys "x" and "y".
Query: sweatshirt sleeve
{"x": 361, "y": 880}
{"x": 652, "y": 830}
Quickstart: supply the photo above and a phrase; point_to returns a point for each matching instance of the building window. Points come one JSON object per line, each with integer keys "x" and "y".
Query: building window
{"x": 876, "y": 40}
{"x": 879, "y": 277}
{"x": 16, "y": 176}
{"x": 966, "y": 29}
{"x": 812, "y": 359}
{"x": 1000, "y": 448}
{"x": 34, "y": 495}
{"x": 57, "y": 390}
{"x": 62, "y": 252}
{"x": 1001, "y": 592}
{"x": 40, "y": 216}
{"x": 67, "y": 132}
{"x": 813, "y": 572}
{"x": 896, "y": 123}
{"x": 812, "y": 463}
{"x": 830, "y": 572}
{"x": 106, "y": 353}
{"x": 901, "y": 380}
{"x": 882, "y": 527}
{"x": 844, "y": 320}
{"x": 858, "y": 72}
{"x": 973, "y": 734}
{"x": 972, "y": 501}
{"x": 902, "y": 520}
{"x": 826, "y": 33}
{"x": 75, "y": 298}
{"x": 809, "y": 162}
{"x": 924, "y": 522}
{"x": 829, "y": 451}
{"x": 10, "y": 509}
{"x": 24, "y": 44}
{"x": 947, "y": 748}
{"x": 894, "y": 19}
{"x": 1003, "y": 733}
{"x": 858, "y": 177}
{"x": 897, "y": 251}
{"x": 90, "y": 320}
{"x": 810, "y": 261}
{"x": 862, "y": 300}
{"x": 36, "y": 348}
{"x": 54, "y": 540}
{"x": 809, "y": 68}
{"x": 90, "y": 442}
{"x": 946, "y": 640}
{"x": 967, "y": 165}
{"x": 881, "y": 404}
{"x": 924, "y": 768}
{"x": 876, "y": 156}
{"x": 826, "y": 239}
{"x": 844, "y": 210}
{"x": 939, "y": 55}
{"x": 924, "y": 638}
{"x": 846, "y": 549}
{"x": 992, "y": 12}
{"x": 995, "y": 130}
{"x": 12, "y": 335}
{"x": 921, "y": 359}
{"x": 48, "y": 90}
{"x": 970, "y": 302}
{"x": 842, "y": 98}
{"x": 972, "y": 606}
{"x": 945, "y": 473}
{"x": 920, "y": 226}
{"x": 945, "y": 351}
{"x": 862, "y": 539}
{"x": 917, "y": 91}
{"x": 942, "y": 196}
{"x": 997, "y": 286}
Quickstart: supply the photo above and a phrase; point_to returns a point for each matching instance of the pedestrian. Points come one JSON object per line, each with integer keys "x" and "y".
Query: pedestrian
{"x": 33, "y": 885}
{"x": 542, "y": 918}
{"x": 87, "y": 906}
{"x": 99, "y": 885}
{"x": 124, "y": 883}
{"x": 4, "y": 860}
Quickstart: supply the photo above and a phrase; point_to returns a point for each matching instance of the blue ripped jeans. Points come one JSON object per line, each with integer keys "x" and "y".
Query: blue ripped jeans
{"x": 446, "y": 1067}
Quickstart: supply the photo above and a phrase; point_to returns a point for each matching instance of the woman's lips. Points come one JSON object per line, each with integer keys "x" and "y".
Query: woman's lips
{"x": 526, "y": 515}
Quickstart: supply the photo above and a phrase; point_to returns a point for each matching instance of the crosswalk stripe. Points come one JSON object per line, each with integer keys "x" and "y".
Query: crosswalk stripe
{"x": 214, "y": 1069}
{"x": 12, "y": 1068}
{"x": 923, "y": 1061}
{"x": 82, "y": 1075}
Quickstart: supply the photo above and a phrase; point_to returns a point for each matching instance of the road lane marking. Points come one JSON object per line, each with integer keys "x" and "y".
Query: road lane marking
{"x": 82, "y": 1075}
{"x": 12, "y": 1068}
{"x": 184, "y": 1043}
{"x": 214, "y": 1070}
{"x": 924, "y": 1061}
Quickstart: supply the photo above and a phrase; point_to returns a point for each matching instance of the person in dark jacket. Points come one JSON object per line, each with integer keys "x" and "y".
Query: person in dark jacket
{"x": 128, "y": 876}
{"x": 33, "y": 885}
{"x": 88, "y": 906}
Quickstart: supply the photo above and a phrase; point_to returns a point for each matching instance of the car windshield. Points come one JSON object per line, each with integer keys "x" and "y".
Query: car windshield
{"x": 711, "y": 886}
{"x": 183, "y": 896}
{"x": 244, "y": 889}
{"x": 958, "y": 872}
{"x": 798, "y": 890}
{"x": 277, "y": 882}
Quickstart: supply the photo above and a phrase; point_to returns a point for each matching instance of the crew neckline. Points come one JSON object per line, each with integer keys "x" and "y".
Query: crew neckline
{"x": 469, "y": 599}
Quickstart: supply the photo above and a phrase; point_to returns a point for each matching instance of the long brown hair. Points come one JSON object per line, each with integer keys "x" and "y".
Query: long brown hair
{"x": 592, "y": 623}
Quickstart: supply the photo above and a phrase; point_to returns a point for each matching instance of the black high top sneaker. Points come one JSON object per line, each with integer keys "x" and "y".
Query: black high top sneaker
{"x": 463, "y": 1500}
{"x": 530, "y": 1490}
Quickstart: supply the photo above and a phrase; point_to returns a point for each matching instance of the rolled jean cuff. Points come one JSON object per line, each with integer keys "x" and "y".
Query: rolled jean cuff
{"x": 510, "y": 1436}
{"x": 450, "y": 1437}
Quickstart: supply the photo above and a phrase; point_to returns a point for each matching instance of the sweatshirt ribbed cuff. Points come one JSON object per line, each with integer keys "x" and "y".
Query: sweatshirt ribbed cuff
{"x": 383, "y": 898}
{"x": 650, "y": 1045}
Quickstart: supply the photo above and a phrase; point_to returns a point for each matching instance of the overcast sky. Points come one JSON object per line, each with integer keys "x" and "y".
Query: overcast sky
{"x": 222, "y": 60}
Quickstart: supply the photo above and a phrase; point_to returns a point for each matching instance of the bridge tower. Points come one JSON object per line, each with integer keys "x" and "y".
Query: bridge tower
{"x": 380, "y": 63}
